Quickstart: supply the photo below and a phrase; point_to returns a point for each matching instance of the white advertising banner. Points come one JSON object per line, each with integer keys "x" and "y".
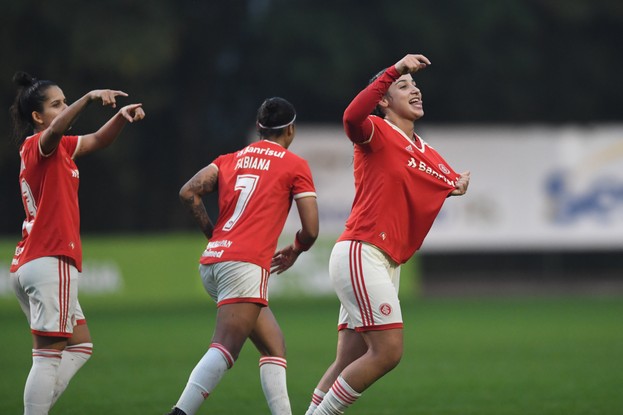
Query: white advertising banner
{"x": 532, "y": 187}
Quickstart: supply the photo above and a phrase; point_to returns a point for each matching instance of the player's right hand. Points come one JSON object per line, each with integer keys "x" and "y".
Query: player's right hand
{"x": 411, "y": 64}
{"x": 284, "y": 259}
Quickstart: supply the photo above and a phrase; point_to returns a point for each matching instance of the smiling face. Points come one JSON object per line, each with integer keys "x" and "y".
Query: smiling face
{"x": 53, "y": 105}
{"x": 403, "y": 99}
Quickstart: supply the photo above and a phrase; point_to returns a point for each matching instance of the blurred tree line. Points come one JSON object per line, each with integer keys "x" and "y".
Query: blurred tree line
{"x": 201, "y": 69}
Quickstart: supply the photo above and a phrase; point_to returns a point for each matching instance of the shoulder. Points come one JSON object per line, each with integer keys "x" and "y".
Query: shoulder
{"x": 289, "y": 155}
{"x": 380, "y": 130}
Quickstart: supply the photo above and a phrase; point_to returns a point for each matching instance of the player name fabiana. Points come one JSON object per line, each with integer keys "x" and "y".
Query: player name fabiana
{"x": 256, "y": 163}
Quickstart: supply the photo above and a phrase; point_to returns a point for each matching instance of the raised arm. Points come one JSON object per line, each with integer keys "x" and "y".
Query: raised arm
{"x": 202, "y": 183}
{"x": 52, "y": 135}
{"x": 304, "y": 238}
{"x": 357, "y": 128}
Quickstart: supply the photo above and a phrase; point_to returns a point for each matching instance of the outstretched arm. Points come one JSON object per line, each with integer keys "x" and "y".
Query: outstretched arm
{"x": 304, "y": 239}
{"x": 202, "y": 183}
{"x": 51, "y": 137}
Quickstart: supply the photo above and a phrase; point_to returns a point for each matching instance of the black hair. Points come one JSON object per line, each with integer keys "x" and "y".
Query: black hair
{"x": 378, "y": 111}
{"x": 274, "y": 112}
{"x": 31, "y": 94}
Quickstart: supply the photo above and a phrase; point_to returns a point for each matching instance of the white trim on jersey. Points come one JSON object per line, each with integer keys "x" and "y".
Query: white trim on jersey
{"x": 304, "y": 194}
{"x": 371, "y": 133}
{"x": 73, "y": 156}
{"x": 402, "y": 133}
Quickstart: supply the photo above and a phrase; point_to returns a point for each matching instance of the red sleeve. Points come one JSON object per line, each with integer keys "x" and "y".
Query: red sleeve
{"x": 303, "y": 182}
{"x": 355, "y": 115}
{"x": 70, "y": 142}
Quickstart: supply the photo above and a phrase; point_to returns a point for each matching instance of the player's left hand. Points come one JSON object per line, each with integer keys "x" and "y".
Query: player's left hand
{"x": 461, "y": 184}
{"x": 284, "y": 259}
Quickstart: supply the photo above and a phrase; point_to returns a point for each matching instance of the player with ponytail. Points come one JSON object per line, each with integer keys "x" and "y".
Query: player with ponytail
{"x": 48, "y": 259}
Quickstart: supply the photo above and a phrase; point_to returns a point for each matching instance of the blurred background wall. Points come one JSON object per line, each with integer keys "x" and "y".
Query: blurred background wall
{"x": 517, "y": 92}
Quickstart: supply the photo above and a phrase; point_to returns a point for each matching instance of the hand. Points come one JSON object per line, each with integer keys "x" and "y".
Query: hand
{"x": 461, "y": 184}
{"x": 411, "y": 64}
{"x": 284, "y": 259}
{"x": 133, "y": 112}
{"x": 107, "y": 96}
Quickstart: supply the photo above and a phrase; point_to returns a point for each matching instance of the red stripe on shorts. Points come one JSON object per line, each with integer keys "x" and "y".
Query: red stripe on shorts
{"x": 358, "y": 283}
{"x": 63, "y": 294}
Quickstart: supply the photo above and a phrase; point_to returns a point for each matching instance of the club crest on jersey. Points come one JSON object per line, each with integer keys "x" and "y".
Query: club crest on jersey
{"x": 444, "y": 169}
{"x": 385, "y": 309}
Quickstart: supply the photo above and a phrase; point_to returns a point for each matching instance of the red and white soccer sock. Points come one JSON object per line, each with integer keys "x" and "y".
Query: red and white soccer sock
{"x": 204, "y": 378}
{"x": 41, "y": 380}
{"x": 73, "y": 358}
{"x": 339, "y": 397}
{"x": 273, "y": 378}
{"x": 317, "y": 397}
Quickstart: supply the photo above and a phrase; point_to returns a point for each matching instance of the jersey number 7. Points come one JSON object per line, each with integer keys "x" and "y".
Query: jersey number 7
{"x": 246, "y": 183}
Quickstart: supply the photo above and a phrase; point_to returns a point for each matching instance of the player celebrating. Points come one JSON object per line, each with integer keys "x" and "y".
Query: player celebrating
{"x": 48, "y": 259}
{"x": 400, "y": 185}
{"x": 256, "y": 186}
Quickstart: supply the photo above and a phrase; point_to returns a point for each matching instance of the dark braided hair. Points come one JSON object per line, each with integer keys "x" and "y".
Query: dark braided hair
{"x": 274, "y": 112}
{"x": 31, "y": 94}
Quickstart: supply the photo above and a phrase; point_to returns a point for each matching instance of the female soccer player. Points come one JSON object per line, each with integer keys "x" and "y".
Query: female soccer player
{"x": 401, "y": 183}
{"x": 256, "y": 186}
{"x": 48, "y": 259}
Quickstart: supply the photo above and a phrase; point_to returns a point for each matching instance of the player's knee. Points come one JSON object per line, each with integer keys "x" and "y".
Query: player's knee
{"x": 388, "y": 355}
{"x": 390, "y": 359}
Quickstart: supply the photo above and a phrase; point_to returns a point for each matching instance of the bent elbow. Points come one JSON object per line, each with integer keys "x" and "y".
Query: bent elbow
{"x": 185, "y": 193}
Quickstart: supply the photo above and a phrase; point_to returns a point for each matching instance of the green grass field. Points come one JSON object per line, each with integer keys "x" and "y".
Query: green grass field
{"x": 462, "y": 356}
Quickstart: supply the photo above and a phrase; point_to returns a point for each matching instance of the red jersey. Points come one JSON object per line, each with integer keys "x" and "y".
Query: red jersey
{"x": 400, "y": 183}
{"x": 256, "y": 186}
{"x": 49, "y": 186}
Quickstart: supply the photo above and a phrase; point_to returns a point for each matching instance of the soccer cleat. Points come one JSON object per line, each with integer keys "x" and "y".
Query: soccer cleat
{"x": 176, "y": 411}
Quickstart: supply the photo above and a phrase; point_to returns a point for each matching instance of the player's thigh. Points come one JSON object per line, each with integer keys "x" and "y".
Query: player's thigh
{"x": 51, "y": 286}
{"x": 350, "y": 346}
{"x": 363, "y": 279}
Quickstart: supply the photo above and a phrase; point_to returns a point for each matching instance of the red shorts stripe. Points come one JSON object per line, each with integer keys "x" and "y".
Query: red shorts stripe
{"x": 358, "y": 283}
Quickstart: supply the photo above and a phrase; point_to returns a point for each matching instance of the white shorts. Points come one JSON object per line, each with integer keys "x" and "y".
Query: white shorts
{"x": 366, "y": 282}
{"x": 235, "y": 282}
{"x": 47, "y": 291}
